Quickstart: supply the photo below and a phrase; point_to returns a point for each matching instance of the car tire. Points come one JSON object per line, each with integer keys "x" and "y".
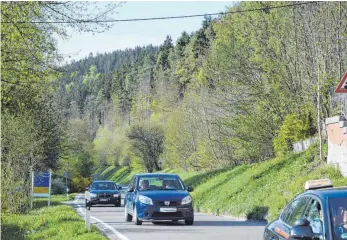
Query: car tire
{"x": 136, "y": 220}
{"x": 189, "y": 222}
{"x": 128, "y": 217}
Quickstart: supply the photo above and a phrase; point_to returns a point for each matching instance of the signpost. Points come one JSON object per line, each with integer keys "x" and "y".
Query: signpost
{"x": 41, "y": 185}
{"x": 342, "y": 87}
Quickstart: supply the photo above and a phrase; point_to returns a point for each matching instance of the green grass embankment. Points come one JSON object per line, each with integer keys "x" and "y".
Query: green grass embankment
{"x": 58, "y": 222}
{"x": 121, "y": 175}
{"x": 252, "y": 191}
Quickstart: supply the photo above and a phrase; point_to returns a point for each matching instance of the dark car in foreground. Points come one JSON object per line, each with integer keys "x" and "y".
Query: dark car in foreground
{"x": 103, "y": 192}
{"x": 158, "y": 197}
{"x": 318, "y": 213}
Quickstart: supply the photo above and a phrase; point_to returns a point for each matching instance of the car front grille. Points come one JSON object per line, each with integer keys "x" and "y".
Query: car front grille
{"x": 162, "y": 203}
{"x": 104, "y": 195}
{"x": 167, "y": 214}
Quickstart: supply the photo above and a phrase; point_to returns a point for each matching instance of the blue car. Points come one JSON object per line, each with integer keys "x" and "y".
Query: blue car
{"x": 318, "y": 213}
{"x": 157, "y": 197}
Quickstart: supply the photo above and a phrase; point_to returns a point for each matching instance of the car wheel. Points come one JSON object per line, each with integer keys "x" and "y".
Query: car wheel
{"x": 136, "y": 220}
{"x": 189, "y": 222}
{"x": 127, "y": 216}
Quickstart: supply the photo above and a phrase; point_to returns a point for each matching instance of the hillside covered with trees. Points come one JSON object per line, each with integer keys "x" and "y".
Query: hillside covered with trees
{"x": 241, "y": 89}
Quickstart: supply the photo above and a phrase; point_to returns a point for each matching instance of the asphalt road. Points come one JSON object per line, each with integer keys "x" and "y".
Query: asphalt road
{"x": 206, "y": 227}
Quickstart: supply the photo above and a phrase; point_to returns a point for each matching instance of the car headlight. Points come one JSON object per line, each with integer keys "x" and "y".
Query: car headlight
{"x": 186, "y": 200}
{"x": 93, "y": 195}
{"x": 145, "y": 200}
{"x": 115, "y": 195}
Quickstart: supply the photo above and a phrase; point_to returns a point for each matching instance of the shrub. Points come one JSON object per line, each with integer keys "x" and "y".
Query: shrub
{"x": 79, "y": 184}
{"x": 292, "y": 130}
{"x": 58, "y": 186}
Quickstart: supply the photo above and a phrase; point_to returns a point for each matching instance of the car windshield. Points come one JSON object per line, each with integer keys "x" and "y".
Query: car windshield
{"x": 103, "y": 186}
{"x": 159, "y": 183}
{"x": 338, "y": 211}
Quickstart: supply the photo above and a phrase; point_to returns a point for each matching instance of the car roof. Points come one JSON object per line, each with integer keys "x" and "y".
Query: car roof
{"x": 328, "y": 192}
{"x": 155, "y": 174}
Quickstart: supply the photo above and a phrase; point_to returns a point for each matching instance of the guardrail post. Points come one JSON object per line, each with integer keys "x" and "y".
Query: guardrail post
{"x": 87, "y": 215}
{"x": 88, "y": 219}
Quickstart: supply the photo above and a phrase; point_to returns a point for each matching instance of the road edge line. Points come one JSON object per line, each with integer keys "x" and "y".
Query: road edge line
{"x": 118, "y": 235}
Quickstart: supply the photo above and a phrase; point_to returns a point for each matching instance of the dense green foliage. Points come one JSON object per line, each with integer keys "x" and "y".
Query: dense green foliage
{"x": 33, "y": 128}
{"x": 292, "y": 130}
{"x": 253, "y": 191}
{"x": 241, "y": 89}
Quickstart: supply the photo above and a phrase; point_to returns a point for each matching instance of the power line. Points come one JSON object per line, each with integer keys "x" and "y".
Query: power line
{"x": 266, "y": 9}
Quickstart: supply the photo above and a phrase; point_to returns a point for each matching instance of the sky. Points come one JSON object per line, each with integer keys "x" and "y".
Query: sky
{"x": 131, "y": 34}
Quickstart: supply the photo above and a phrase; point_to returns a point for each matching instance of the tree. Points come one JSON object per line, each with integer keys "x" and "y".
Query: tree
{"x": 147, "y": 141}
{"x": 32, "y": 133}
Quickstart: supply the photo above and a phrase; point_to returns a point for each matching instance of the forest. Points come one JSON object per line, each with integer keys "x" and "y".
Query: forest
{"x": 241, "y": 89}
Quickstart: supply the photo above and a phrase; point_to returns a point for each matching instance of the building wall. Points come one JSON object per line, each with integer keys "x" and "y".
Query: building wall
{"x": 337, "y": 143}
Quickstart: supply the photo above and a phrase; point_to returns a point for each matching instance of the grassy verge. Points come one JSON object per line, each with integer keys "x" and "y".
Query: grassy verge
{"x": 121, "y": 175}
{"x": 254, "y": 191}
{"x": 58, "y": 221}
{"x": 55, "y": 200}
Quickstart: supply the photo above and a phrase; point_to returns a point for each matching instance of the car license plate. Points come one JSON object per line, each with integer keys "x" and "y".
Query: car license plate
{"x": 103, "y": 200}
{"x": 168, "y": 210}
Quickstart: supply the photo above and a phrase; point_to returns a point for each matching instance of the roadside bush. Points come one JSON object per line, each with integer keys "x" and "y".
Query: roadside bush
{"x": 258, "y": 213}
{"x": 292, "y": 130}
{"x": 58, "y": 186}
{"x": 80, "y": 184}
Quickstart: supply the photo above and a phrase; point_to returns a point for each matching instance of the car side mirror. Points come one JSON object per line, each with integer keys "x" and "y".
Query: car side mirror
{"x": 190, "y": 189}
{"x": 119, "y": 188}
{"x": 130, "y": 189}
{"x": 301, "y": 230}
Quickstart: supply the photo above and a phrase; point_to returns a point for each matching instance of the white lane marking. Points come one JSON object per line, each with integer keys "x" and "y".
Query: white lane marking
{"x": 80, "y": 209}
{"x": 76, "y": 198}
